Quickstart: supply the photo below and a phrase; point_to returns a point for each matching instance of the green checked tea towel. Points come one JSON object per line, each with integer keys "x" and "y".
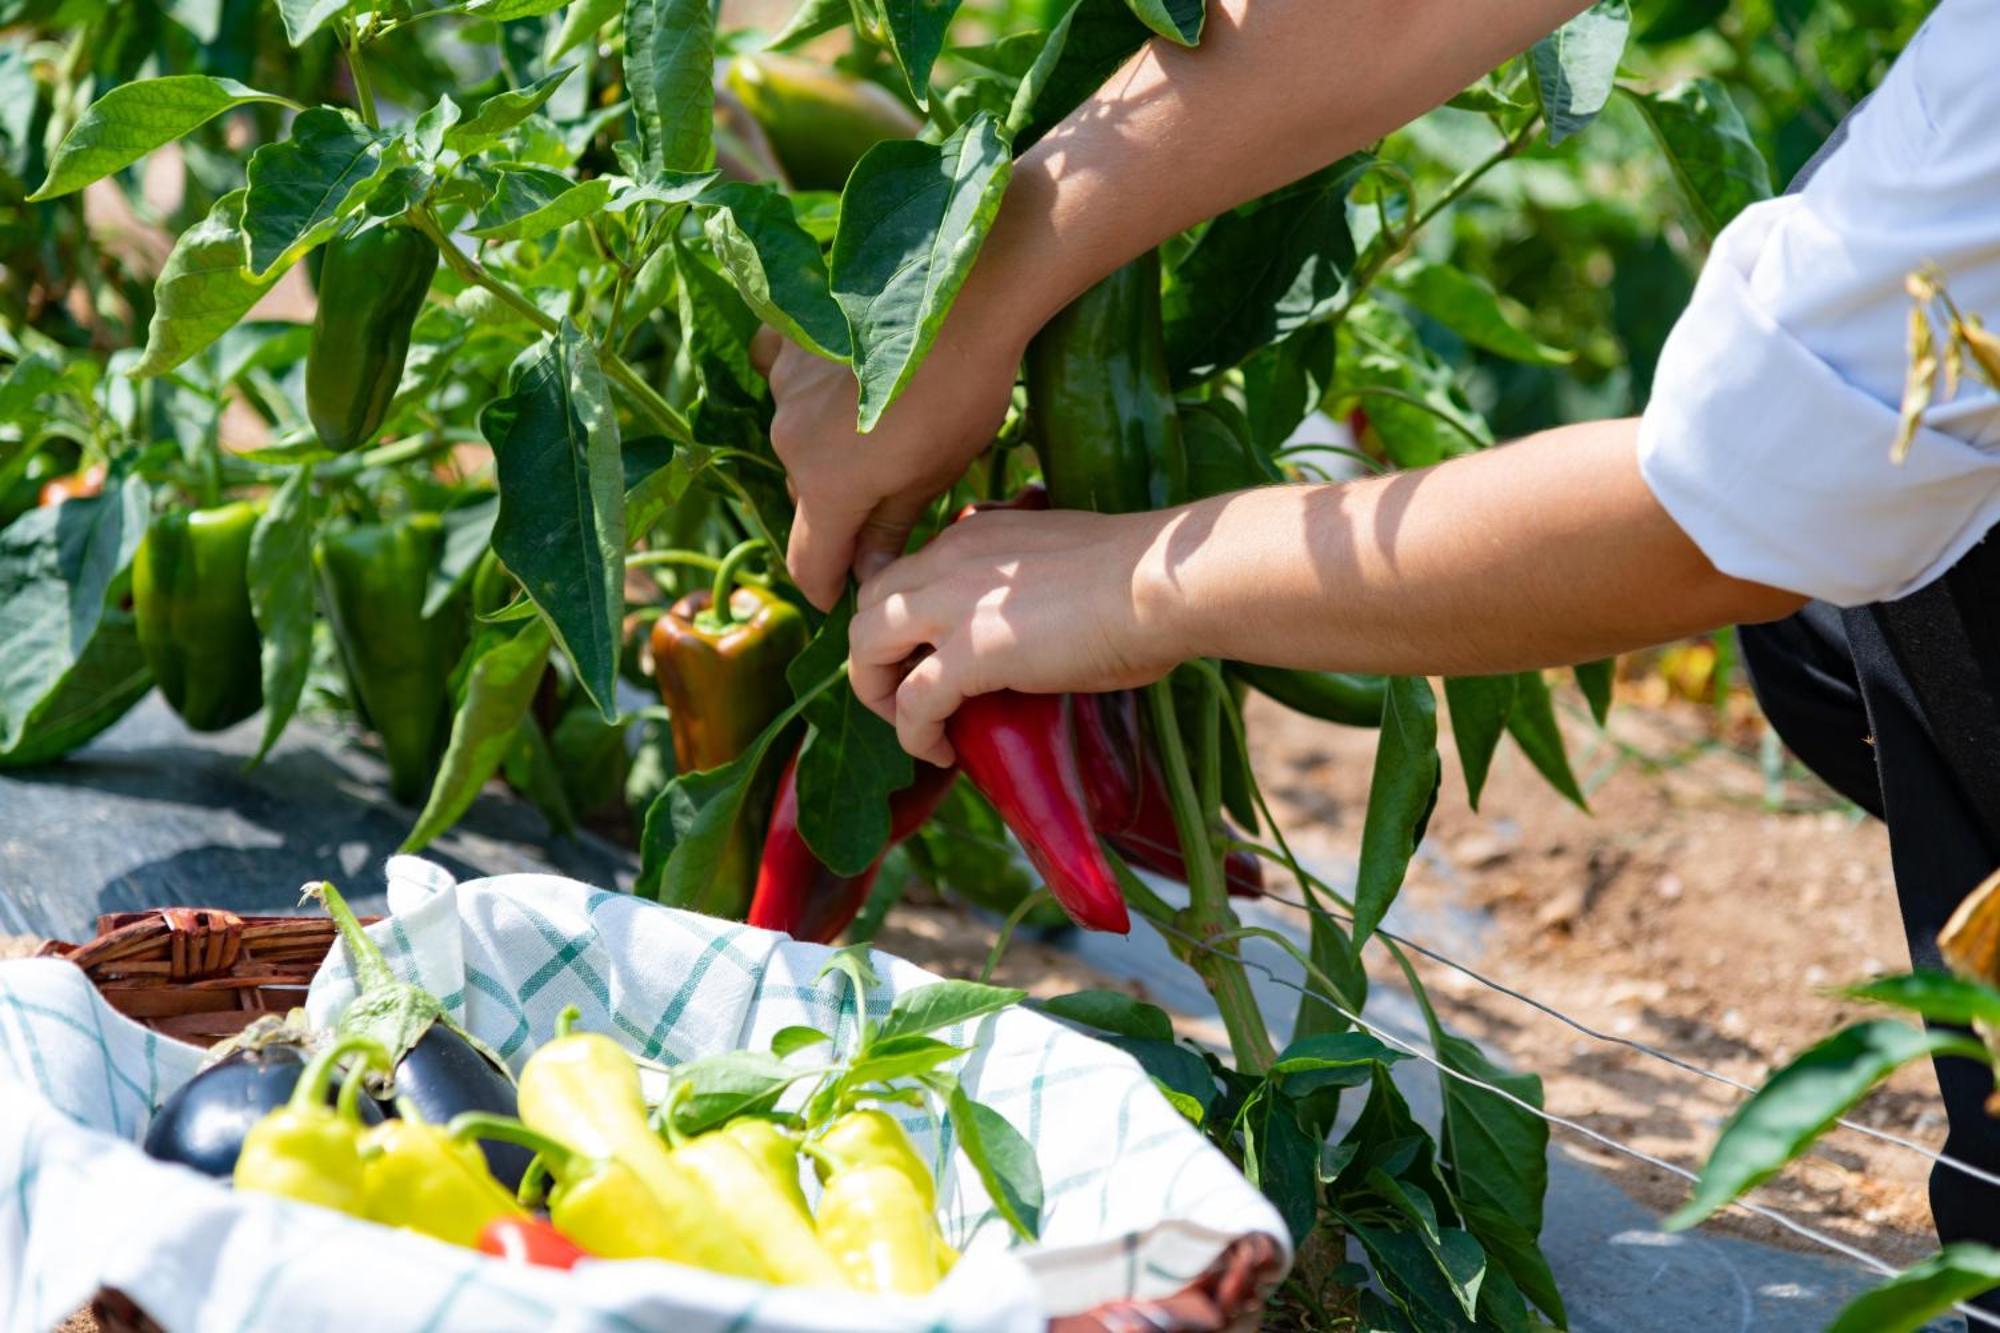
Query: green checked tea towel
{"x": 1137, "y": 1203}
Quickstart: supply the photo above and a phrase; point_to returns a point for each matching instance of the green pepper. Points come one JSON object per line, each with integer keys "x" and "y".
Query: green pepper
{"x": 1106, "y": 427}
{"x": 1332, "y": 696}
{"x": 582, "y": 1091}
{"x": 371, "y": 287}
{"x": 871, "y": 1137}
{"x": 418, "y": 1176}
{"x": 776, "y": 1153}
{"x": 819, "y": 120}
{"x": 306, "y": 1150}
{"x": 1221, "y": 457}
{"x": 723, "y": 681}
{"x": 399, "y": 664}
{"x": 191, "y": 594}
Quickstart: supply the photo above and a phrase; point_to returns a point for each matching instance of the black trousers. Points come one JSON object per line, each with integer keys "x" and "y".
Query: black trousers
{"x": 1844, "y": 703}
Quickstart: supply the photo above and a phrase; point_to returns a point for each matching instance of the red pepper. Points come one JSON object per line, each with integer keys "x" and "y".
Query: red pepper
{"x": 796, "y": 893}
{"x": 1127, "y": 793}
{"x": 1028, "y": 497}
{"x": 1017, "y": 750}
{"x": 529, "y": 1240}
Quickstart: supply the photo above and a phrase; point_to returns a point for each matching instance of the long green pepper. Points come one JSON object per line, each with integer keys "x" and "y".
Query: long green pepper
{"x": 371, "y": 287}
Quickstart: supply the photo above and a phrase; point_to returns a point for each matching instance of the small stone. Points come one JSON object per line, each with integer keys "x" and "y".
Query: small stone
{"x": 1669, "y": 886}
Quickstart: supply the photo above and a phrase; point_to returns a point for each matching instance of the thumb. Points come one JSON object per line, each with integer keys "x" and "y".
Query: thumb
{"x": 882, "y": 538}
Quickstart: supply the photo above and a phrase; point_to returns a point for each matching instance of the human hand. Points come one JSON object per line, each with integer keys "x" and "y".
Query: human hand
{"x": 859, "y": 496}
{"x": 1054, "y": 602}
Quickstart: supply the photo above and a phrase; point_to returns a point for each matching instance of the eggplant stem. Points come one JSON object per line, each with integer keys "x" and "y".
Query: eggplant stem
{"x": 372, "y": 973}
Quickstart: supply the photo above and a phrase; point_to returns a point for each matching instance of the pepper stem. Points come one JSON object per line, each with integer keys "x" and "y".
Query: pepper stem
{"x": 371, "y": 967}
{"x": 558, "y": 1159}
{"x": 567, "y": 1020}
{"x": 310, "y": 1090}
{"x": 719, "y": 615}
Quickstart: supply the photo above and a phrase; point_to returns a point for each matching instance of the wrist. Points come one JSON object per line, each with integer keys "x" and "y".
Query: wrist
{"x": 1169, "y": 581}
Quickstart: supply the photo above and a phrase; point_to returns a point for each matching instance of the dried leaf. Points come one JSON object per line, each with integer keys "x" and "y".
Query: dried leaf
{"x": 1920, "y": 385}
{"x": 1984, "y": 344}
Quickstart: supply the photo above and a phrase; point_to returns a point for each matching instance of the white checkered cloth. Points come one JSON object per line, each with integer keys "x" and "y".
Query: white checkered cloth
{"x": 1137, "y": 1202}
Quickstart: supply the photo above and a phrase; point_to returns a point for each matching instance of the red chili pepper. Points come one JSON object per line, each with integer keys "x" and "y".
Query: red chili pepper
{"x": 1127, "y": 793}
{"x": 1017, "y": 750}
{"x": 530, "y": 1240}
{"x": 1028, "y": 497}
{"x": 796, "y": 893}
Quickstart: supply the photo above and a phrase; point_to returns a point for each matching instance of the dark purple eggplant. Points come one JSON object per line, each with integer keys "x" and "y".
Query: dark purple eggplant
{"x": 441, "y": 1070}
{"x": 203, "y": 1123}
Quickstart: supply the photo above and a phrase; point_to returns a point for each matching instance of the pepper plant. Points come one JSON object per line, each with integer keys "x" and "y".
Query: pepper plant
{"x": 522, "y": 455}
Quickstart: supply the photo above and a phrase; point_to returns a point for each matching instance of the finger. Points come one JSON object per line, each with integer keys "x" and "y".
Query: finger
{"x": 765, "y": 345}
{"x": 911, "y": 573}
{"x": 882, "y": 538}
{"x": 925, "y": 701}
{"x": 881, "y": 645}
{"x": 818, "y": 554}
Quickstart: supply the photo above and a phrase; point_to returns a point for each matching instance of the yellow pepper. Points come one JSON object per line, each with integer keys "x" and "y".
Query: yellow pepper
{"x": 306, "y": 1150}
{"x": 879, "y": 1231}
{"x": 779, "y": 1233}
{"x": 416, "y": 1175}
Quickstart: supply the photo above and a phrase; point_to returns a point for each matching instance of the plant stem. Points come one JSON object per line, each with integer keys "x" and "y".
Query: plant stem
{"x": 364, "y": 92}
{"x": 720, "y": 614}
{"x": 644, "y": 396}
{"x": 1401, "y": 396}
{"x": 1007, "y": 929}
{"x": 1208, "y": 915}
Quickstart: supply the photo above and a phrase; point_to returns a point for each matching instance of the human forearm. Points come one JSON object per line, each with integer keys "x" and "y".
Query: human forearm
{"x": 1277, "y": 89}
{"x": 1549, "y": 551}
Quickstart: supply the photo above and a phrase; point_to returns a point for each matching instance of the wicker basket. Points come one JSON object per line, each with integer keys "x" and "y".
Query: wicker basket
{"x": 201, "y": 974}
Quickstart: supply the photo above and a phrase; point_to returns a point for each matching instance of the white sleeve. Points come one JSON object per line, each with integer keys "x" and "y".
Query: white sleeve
{"x": 1774, "y": 406}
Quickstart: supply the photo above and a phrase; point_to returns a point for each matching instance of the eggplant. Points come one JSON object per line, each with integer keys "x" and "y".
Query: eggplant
{"x": 441, "y": 1070}
{"x": 203, "y": 1123}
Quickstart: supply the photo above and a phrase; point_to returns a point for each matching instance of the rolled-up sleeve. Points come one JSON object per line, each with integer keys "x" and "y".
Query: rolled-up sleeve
{"x": 1768, "y": 437}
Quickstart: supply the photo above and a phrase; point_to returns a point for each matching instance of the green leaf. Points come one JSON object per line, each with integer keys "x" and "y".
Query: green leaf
{"x": 912, "y": 220}
{"x": 1576, "y": 64}
{"x": 561, "y": 526}
{"x": 498, "y": 692}
{"x": 1040, "y": 73}
{"x": 133, "y": 119}
{"x": 533, "y": 202}
{"x": 1518, "y": 1253}
{"x": 1178, "y": 21}
{"x": 851, "y": 763}
{"x": 1280, "y": 1158}
{"x": 202, "y": 291}
{"x": 670, "y": 72}
{"x": 1260, "y": 273}
{"x": 916, "y": 30}
{"x": 1110, "y": 1011}
{"x": 900, "y": 1057}
{"x": 502, "y": 112}
{"x": 944, "y": 1004}
{"x": 1675, "y": 19}
{"x": 790, "y": 1040}
{"x": 1709, "y": 148}
{"x": 1532, "y": 723}
{"x": 1922, "y": 1292}
{"x": 1004, "y": 1160}
{"x": 1466, "y": 304}
{"x": 663, "y": 187}
{"x": 1938, "y": 996}
{"x": 775, "y": 264}
{"x": 813, "y": 18}
{"x": 1399, "y": 799}
{"x": 1331, "y": 1060}
{"x": 1801, "y": 1101}
{"x": 1480, "y": 706}
{"x": 1411, "y": 395}
{"x": 721, "y": 1087}
{"x": 281, "y": 600}
{"x": 59, "y": 567}
{"x": 468, "y": 531}
{"x": 303, "y": 18}
{"x": 300, "y": 190}
{"x": 1595, "y": 680}
{"x": 506, "y": 11}
{"x": 1429, "y": 1285}
{"x": 689, "y": 824}
{"x": 106, "y": 677}
{"x": 1102, "y": 35}
{"x": 1334, "y": 954}
{"x": 581, "y": 23}
{"x": 1416, "y": 1207}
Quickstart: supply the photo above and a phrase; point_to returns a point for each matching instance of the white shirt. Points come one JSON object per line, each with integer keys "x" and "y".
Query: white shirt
{"x": 1774, "y": 408}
